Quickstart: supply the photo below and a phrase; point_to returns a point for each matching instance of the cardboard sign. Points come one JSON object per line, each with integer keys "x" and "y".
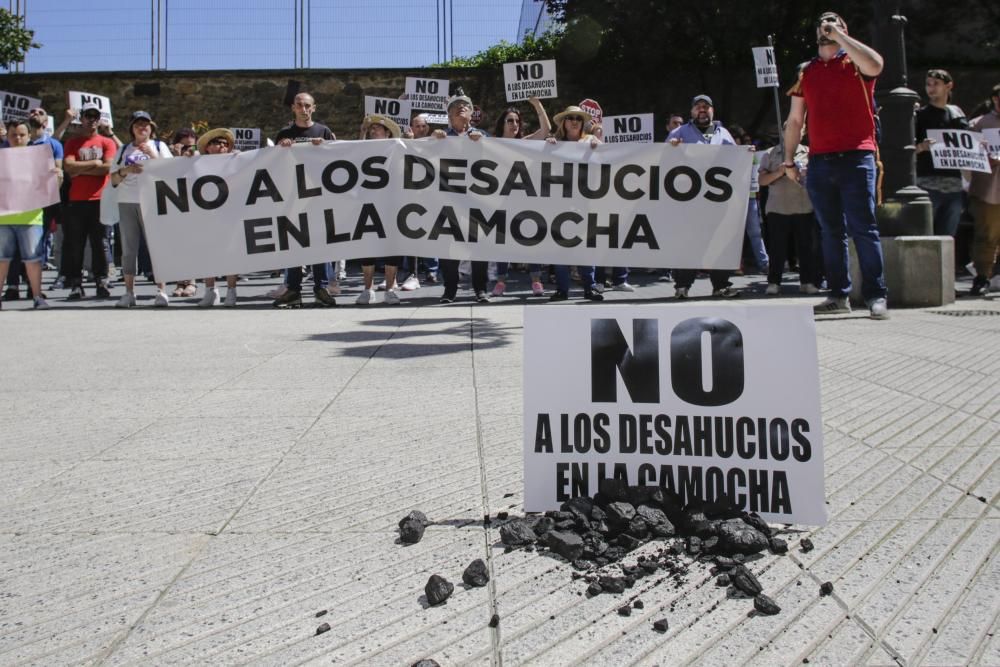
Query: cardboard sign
{"x": 78, "y": 99}
{"x": 27, "y": 179}
{"x": 765, "y": 67}
{"x": 636, "y": 129}
{"x": 536, "y": 78}
{"x": 520, "y": 201}
{"x": 704, "y": 401}
{"x": 437, "y": 119}
{"x": 992, "y": 137}
{"x": 594, "y": 109}
{"x": 427, "y": 94}
{"x": 959, "y": 149}
{"x": 16, "y": 107}
{"x": 396, "y": 110}
{"x": 247, "y": 138}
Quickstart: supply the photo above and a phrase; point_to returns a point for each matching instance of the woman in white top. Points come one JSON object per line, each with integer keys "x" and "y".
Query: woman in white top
{"x": 124, "y": 176}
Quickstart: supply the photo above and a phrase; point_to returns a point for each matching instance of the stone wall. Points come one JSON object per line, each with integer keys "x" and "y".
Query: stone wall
{"x": 256, "y": 98}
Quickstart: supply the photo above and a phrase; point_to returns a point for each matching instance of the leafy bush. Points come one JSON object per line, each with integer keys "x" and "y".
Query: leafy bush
{"x": 531, "y": 48}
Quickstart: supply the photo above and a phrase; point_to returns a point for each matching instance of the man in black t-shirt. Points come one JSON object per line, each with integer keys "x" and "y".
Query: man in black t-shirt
{"x": 301, "y": 130}
{"x": 944, "y": 186}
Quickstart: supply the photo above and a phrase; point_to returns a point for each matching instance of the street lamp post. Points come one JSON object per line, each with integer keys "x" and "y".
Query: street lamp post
{"x": 907, "y": 209}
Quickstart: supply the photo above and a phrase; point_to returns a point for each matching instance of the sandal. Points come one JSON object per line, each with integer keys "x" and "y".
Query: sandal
{"x": 190, "y": 289}
{"x": 178, "y": 290}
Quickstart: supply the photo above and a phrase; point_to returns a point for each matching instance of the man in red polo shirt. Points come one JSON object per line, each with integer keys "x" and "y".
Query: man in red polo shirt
{"x": 87, "y": 160}
{"x": 836, "y": 90}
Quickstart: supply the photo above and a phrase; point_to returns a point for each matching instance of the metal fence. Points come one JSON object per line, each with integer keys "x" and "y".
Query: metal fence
{"x": 116, "y": 35}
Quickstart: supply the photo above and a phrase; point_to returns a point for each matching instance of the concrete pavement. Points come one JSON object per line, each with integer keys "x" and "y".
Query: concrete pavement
{"x": 195, "y": 487}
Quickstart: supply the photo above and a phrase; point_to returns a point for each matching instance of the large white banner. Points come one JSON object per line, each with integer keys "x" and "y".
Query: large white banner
{"x": 704, "y": 401}
{"x": 493, "y": 199}
{"x": 16, "y": 107}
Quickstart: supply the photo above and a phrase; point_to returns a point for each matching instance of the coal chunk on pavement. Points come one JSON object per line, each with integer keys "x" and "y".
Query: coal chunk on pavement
{"x": 594, "y": 588}
{"x": 476, "y": 574}
{"x": 438, "y": 589}
{"x": 806, "y": 544}
{"x": 619, "y": 514}
{"x": 426, "y": 662}
{"x": 517, "y": 533}
{"x": 826, "y": 588}
{"x": 566, "y": 544}
{"x": 778, "y": 545}
{"x": 723, "y": 580}
{"x": 411, "y": 530}
{"x": 765, "y": 605}
{"x": 745, "y": 581}
{"x": 612, "y": 584}
{"x": 754, "y": 520}
{"x": 736, "y": 536}
{"x": 625, "y": 611}
{"x": 323, "y": 627}
{"x": 543, "y": 525}
{"x": 638, "y": 604}
{"x": 494, "y": 620}
{"x": 611, "y": 489}
{"x": 661, "y": 625}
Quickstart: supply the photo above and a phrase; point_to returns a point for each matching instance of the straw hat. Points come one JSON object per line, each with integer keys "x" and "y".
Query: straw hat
{"x": 387, "y": 123}
{"x": 571, "y": 111}
{"x": 223, "y": 132}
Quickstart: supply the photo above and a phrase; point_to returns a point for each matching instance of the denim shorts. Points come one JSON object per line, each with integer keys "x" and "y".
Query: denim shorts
{"x": 29, "y": 238}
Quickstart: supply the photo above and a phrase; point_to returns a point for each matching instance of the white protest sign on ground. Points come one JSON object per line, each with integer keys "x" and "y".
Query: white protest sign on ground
{"x": 536, "y": 78}
{"x": 520, "y": 201}
{"x": 247, "y": 138}
{"x": 27, "y": 181}
{"x": 397, "y": 111}
{"x": 16, "y": 107}
{"x": 427, "y": 94}
{"x": 594, "y": 109}
{"x": 635, "y": 129}
{"x": 77, "y": 99}
{"x": 958, "y": 149}
{"x": 992, "y": 137}
{"x": 765, "y": 67}
{"x": 704, "y": 401}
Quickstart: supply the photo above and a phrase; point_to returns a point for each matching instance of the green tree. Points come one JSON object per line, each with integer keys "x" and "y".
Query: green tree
{"x": 530, "y": 48}
{"x": 15, "y": 39}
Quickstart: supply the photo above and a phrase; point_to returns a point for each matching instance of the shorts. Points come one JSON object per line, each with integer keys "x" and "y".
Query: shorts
{"x": 29, "y": 238}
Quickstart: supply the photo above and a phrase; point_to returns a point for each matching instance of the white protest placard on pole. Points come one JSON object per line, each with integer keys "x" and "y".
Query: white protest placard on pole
{"x": 958, "y": 149}
{"x": 427, "y": 94}
{"x": 703, "y": 401}
{"x": 992, "y": 136}
{"x": 247, "y": 138}
{"x": 635, "y": 129}
{"x": 523, "y": 201}
{"x": 16, "y": 107}
{"x": 396, "y": 110}
{"x": 77, "y": 99}
{"x": 765, "y": 67}
{"x": 535, "y": 78}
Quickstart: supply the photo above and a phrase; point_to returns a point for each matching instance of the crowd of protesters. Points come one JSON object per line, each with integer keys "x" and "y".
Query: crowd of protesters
{"x": 792, "y": 225}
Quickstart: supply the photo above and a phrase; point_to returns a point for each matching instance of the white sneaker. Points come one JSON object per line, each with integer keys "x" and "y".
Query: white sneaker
{"x": 623, "y": 287}
{"x": 391, "y": 298}
{"x": 333, "y": 289}
{"x": 381, "y": 286}
{"x": 41, "y": 303}
{"x": 773, "y": 289}
{"x": 681, "y": 293}
{"x": 808, "y": 288}
{"x": 878, "y": 309}
{"x": 127, "y": 300}
{"x": 833, "y": 305}
{"x": 162, "y": 300}
{"x": 342, "y": 275}
{"x": 230, "y": 298}
{"x": 210, "y": 299}
{"x": 366, "y": 297}
{"x": 277, "y": 292}
{"x": 410, "y": 284}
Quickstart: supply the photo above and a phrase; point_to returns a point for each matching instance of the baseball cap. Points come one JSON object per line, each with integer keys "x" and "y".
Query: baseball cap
{"x": 702, "y": 98}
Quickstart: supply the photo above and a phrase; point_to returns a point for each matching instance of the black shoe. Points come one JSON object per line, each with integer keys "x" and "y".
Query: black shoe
{"x": 448, "y": 297}
{"x": 980, "y": 286}
{"x": 102, "y": 292}
{"x": 558, "y": 296}
{"x": 11, "y": 294}
{"x": 76, "y": 294}
{"x": 482, "y": 297}
{"x": 290, "y": 299}
{"x": 593, "y": 296}
{"x": 323, "y": 298}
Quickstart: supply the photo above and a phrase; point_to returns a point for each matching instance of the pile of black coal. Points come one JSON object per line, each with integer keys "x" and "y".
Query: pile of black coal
{"x": 596, "y": 533}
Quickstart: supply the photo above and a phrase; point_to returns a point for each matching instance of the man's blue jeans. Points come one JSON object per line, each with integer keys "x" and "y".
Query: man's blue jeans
{"x": 841, "y": 187}
{"x": 320, "y": 273}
